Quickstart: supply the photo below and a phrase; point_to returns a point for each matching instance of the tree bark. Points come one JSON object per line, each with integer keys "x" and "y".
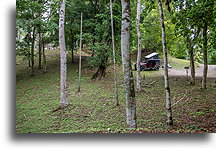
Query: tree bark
{"x": 190, "y": 44}
{"x": 205, "y": 69}
{"x": 138, "y": 77}
{"x": 101, "y": 72}
{"x": 127, "y": 70}
{"x": 28, "y": 40}
{"x": 29, "y": 61}
{"x": 44, "y": 55}
{"x": 39, "y": 51}
{"x": 63, "y": 60}
{"x": 166, "y": 76}
{"x": 80, "y": 56}
{"x": 72, "y": 47}
{"x": 192, "y": 65}
{"x": 32, "y": 52}
{"x": 114, "y": 60}
{"x": 93, "y": 52}
{"x": 28, "y": 37}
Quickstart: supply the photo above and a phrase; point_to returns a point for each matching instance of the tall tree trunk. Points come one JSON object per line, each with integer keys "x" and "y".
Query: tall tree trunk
{"x": 63, "y": 60}
{"x": 39, "y": 51}
{"x": 138, "y": 78}
{"x": 29, "y": 54}
{"x": 32, "y": 51}
{"x": 205, "y": 69}
{"x": 127, "y": 70}
{"x": 114, "y": 60}
{"x": 29, "y": 61}
{"x": 80, "y": 56}
{"x": 190, "y": 47}
{"x": 44, "y": 55}
{"x": 166, "y": 77}
{"x": 72, "y": 47}
{"x": 28, "y": 38}
{"x": 77, "y": 44}
{"x": 192, "y": 65}
{"x": 190, "y": 44}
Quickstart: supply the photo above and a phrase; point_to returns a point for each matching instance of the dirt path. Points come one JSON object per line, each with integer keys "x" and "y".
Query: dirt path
{"x": 199, "y": 71}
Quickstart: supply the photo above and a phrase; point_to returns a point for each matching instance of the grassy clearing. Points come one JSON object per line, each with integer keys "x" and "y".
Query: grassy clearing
{"x": 93, "y": 109}
{"x": 180, "y": 63}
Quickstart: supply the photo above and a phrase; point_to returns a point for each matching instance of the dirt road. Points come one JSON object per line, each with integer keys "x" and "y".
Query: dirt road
{"x": 199, "y": 71}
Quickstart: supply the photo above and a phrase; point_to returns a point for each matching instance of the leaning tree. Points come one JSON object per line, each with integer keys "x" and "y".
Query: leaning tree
{"x": 166, "y": 77}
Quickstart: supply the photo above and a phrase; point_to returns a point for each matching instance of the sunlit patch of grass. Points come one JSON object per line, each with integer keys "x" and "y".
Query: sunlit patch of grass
{"x": 180, "y": 63}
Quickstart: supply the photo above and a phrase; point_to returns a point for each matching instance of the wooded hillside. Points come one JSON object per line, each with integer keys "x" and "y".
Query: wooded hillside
{"x": 81, "y": 66}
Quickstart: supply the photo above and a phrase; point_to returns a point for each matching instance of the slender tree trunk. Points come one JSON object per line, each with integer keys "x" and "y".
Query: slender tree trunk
{"x": 44, "y": 55}
{"x": 39, "y": 51}
{"x": 190, "y": 44}
{"x": 72, "y": 47}
{"x": 114, "y": 60}
{"x": 63, "y": 60}
{"x": 29, "y": 55}
{"x": 192, "y": 65}
{"x": 80, "y": 56}
{"x": 72, "y": 54}
{"x": 93, "y": 52}
{"x": 77, "y": 44}
{"x": 29, "y": 61}
{"x": 28, "y": 37}
{"x": 127, "y": 70}
{"x": 205, "y": 69}
{"x": 138, "y": 77}
{"x": 166, "y": 77}
{"x": 32, "y": 51}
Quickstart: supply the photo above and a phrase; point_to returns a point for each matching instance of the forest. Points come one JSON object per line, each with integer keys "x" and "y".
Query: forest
{"x": 115, "y": 66}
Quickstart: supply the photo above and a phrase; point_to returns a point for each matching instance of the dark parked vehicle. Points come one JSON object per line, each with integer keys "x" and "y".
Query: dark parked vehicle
{"x": 151, "y": 62}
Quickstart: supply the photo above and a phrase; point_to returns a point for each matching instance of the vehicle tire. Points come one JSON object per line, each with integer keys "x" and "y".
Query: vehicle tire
{"x": 142, "y": 68}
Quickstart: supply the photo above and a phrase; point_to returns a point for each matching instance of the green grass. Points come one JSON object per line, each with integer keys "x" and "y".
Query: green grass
{"x": 180, "y": 63}
{"x": 93, "y": 109}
